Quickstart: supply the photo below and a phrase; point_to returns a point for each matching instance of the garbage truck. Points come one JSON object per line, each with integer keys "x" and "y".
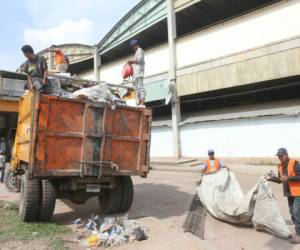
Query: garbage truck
{"x": 76, "y": 149}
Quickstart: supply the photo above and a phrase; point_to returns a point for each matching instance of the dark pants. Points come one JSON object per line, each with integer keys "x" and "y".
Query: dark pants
{"x": 294, "y": 206}
{"x": 2, "y": 170}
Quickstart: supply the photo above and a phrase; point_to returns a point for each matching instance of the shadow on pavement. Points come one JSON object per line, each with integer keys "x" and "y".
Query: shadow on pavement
{"x": 160, "y": 200}
{"x": 66, "y": 211}
{"x": 157, "y": 200}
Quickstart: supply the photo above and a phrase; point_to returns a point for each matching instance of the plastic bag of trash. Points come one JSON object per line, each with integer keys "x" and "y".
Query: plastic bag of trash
{"x": 91, "y": 241}
{"x": 53, "y": 87}
{"x": 266, "y": 215}
{"x": 99, "y": 92}
{"x": 222, "y": 196}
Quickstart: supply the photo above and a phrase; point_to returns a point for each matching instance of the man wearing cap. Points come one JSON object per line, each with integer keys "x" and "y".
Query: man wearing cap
{"x": 212, "y": 164}
{"x": 289, "y": 176}
{"x": 138, "y": 71}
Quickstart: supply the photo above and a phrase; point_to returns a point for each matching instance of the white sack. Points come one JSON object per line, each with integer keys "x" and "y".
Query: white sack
{"x": 99, "y": 92}
{"x": 223, "y": 197}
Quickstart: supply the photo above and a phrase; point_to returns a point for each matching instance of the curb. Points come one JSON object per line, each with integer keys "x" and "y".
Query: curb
{"x": 175, "y": 169}
{"x": 189, "y": 169}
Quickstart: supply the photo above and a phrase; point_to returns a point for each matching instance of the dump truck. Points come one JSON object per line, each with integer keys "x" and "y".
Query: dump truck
{"x": 76, "y": 149}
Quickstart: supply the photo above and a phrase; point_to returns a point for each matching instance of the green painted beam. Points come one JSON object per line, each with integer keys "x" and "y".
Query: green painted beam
{"x": 141, "y": 17}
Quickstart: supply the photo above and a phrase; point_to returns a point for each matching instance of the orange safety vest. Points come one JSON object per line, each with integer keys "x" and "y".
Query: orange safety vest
{"x": 209, "y": 167}
{"x": 294, "y": 186}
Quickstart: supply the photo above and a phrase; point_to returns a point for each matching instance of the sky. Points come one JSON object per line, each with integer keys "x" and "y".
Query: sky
{"x": 42, "y": 23}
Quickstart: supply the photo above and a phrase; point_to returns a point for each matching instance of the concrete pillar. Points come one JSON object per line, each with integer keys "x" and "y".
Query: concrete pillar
{"x": 97, "y": 64}
{"x": 175, "y": 102}
{"x": 50, "y": 61}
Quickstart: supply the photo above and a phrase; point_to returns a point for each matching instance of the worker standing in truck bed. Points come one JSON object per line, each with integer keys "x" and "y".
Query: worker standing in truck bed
{"x": 61, "y": 61}
{"x": 35, "y": 67}
{"x": 138, "y": 71}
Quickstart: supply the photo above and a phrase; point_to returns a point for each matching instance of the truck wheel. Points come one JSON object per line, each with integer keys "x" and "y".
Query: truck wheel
{"x": 29, "y": 199}
{"x": 110, "y": 199}
{"x": 11, "y": 182}
{"x": 47, "y": 202}
{"x": 127, "y": 193}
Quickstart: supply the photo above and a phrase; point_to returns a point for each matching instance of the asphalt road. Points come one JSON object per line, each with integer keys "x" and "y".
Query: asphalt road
{"x": 161, "y": 203}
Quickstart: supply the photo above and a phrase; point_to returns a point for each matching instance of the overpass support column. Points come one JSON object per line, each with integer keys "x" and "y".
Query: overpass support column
{"x": 175, "y": 102}
{"x": 97, "y": 64}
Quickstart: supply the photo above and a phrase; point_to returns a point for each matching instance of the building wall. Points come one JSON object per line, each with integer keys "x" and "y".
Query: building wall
{"x": 242, "y": 51}
{"x": 247, "y": 37}
{"x": 253, "y": 130}
{"x": 249, "y": 31}
{"x": 256, "y": 137}
{"x": 258, "y": 67}
{"x": 242, "y": 138}
{"x": 161, "y": 142}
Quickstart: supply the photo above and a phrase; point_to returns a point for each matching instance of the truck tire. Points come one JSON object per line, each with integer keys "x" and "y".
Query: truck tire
{"x": 47, "y": 201}
{"x": 11, "y": 182}
{"x": 110, "y": 199}
{"x": 29, "y": 199}
{"x": 127, "y": 193}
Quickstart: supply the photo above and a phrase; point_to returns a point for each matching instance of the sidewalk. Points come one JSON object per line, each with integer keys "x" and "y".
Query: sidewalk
{"x": 171, "y": 161}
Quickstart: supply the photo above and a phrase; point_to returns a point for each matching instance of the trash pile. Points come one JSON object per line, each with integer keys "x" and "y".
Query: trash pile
{"x": 109, "y": 231}
{"x": 69, "y": 88}
{"x": 99, "y": 92}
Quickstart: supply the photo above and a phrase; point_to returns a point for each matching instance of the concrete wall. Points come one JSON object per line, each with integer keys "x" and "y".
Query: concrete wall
{"x": 161, "y": 142}
{"x": 249, "y": 36}
{"x": 264, "y": 67}
{"x": 257, "y": 137}
{"x": 271, "y": 24}
{"x": 242, "y": 51}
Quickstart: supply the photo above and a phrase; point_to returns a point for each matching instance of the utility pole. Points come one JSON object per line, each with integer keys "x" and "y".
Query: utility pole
{"x": 97, "y": 64}
{"x": 175, "y": 102}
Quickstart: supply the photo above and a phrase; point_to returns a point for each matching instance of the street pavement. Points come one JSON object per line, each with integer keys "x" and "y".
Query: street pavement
{"x": 161, "y": 203}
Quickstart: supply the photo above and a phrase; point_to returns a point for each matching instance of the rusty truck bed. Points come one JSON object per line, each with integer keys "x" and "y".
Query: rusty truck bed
{"x": 70, "y": 137}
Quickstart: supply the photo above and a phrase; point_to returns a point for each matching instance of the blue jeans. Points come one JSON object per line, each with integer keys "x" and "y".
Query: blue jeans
{"x": 294, "y": 207}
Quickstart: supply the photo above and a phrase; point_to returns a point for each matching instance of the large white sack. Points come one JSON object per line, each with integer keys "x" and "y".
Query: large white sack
{"x": 99, "y": 92}
{"x": 223, "y": 197}
{"x": 266, "y": 216}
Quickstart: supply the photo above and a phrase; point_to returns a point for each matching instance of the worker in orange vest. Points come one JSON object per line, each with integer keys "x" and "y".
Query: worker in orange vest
{"x": 60, "y": 59}
{"x": 289, "y": 176}
{"x": 212, "y": 164}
